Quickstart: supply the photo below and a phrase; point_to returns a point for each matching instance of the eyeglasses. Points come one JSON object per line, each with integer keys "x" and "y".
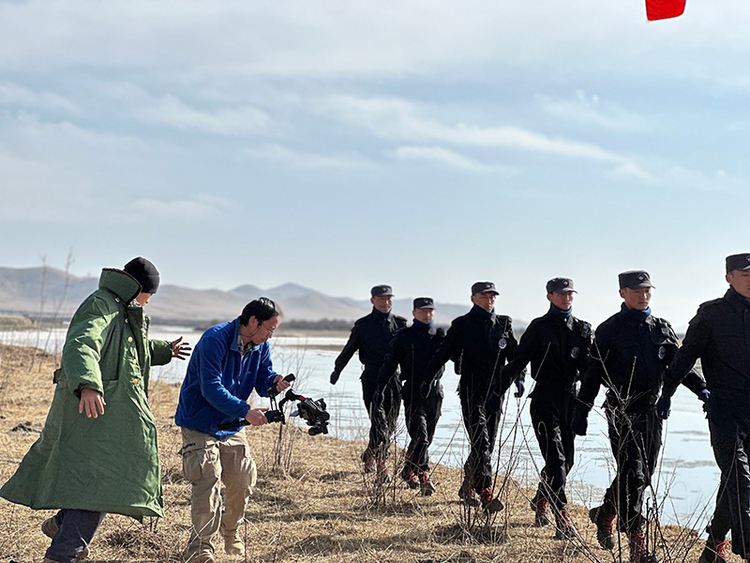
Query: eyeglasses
{"x": 269, "y": 330}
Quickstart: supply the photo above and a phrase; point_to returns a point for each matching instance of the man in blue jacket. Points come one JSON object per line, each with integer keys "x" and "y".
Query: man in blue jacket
{"x": 229, "y": 361}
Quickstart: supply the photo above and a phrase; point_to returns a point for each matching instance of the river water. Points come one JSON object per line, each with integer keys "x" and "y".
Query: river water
{"x": 686, "y": 481}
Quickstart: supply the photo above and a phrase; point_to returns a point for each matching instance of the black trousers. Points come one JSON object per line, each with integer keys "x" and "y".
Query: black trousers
{"x": 75, "y": 529}
{"x": 422, "y": 416}
{"x": 730, "y": 440}
{"x": 383, "y": 419}
{"x": 551, "y": 414}
{"x": 635, "y": 440}
{"x": 481, "y": 412}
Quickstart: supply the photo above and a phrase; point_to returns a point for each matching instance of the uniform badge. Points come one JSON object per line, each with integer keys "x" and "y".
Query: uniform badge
{"x": 502, "y": 343}
{"x": 662, "y": 352}
{"x": 585, "y": 330}
{"x": 574, "y": 352}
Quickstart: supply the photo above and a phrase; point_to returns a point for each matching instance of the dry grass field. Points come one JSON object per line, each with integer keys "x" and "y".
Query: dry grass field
{"x": 312, "y": 502}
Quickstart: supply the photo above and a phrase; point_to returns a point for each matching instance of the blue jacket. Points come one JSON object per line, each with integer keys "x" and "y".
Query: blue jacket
{"x": 219, "y": 381}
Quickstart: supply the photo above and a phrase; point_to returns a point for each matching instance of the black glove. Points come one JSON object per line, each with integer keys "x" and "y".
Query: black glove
{"x": 579, "y": 425}
{"x": 520, "y": 387}
{"x": 424, "y": 389}
{"x": 663, "y": 407}
{"x": 334, "y": 377}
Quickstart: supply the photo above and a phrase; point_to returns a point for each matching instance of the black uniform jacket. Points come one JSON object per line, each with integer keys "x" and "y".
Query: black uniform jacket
{"x": 412, "y": 348}
{"x": 719, "y": 335}
{"x": 630, "y": 357}
{"x": 371, "y": 335}
{"x": 558, "y": 349}
{"x": 479, "y": 343}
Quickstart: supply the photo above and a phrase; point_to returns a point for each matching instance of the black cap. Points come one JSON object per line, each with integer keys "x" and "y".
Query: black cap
{"x": 145, "y": 274}
{"x": 635, "y": 279}
{"x": 382, "y": 291}
{"x": 560, "y": 285}
{"x": 424, "y": 303}
{"x": 484, "y": 287}
{"x": 738, "y": 262}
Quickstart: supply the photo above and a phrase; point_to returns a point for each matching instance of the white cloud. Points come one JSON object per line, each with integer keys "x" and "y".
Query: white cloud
{"x": 201, "y": 206}
{"x": 438, "y": 154}
{"x": 15, "y": 95}
{"x": 52, "y": 138}
{"x": 591, "y": 110}
{"x": 397, "y": 119}
{"x": 683, "y": 178}
{"x": 215, "y": 117}
{"x": 632, "y": 169}
{"x": 236, "y": 121}
{"x": 279, "y": 153}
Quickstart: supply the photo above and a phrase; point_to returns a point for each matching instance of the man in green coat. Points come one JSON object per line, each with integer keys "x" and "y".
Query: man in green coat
{"x": 98, "y": 452}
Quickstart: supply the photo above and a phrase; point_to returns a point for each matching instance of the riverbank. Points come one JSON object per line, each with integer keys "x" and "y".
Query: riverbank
{"x": 312, "y": 502}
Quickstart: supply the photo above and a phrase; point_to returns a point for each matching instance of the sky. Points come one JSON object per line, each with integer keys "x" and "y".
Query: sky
{"x": 340, "y": 144}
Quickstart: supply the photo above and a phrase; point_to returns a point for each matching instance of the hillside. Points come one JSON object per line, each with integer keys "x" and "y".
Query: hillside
{"x": 53, "y": 293}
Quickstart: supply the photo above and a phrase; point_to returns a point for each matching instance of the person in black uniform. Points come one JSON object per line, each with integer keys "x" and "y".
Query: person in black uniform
{"x": 630, "y": 354}
{"x": 411, "y": 349}
{"x": 557, "y": 345}
{"x": 479, "y": 342}
{"x": 372, "y": 335}
{"x": 719, "y": 335}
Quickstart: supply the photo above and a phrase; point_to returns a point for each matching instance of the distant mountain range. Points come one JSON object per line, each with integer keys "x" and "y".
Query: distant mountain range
{"x": 52, "y": 293}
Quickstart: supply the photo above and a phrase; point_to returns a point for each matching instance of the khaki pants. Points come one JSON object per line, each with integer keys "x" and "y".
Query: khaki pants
{"x": 206, "y": 463}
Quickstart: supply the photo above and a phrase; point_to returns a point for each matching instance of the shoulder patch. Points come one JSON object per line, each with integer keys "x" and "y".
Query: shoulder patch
{"x": 585, "y": 329}
{"x": 665, "y": 328}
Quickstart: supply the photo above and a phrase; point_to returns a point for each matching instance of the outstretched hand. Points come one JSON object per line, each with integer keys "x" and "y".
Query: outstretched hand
{"x": 180, "y": 350}
{"x": 91, "y": 401}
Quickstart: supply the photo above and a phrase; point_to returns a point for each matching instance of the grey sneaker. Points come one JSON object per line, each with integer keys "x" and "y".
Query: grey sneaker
{"x": 50, "y": 527}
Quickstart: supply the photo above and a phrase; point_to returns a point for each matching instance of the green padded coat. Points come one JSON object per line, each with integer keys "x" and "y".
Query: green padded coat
{"x": 109, "y": 463}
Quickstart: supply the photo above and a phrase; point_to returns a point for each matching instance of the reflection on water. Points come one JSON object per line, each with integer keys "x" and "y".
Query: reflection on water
{"x": 688, "y": 474}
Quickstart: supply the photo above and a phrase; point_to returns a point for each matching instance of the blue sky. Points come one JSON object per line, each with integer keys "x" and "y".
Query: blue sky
{"x": 339, "y": 144}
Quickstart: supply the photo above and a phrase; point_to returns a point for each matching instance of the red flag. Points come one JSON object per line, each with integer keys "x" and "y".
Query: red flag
{"x": 663, "y": 9}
